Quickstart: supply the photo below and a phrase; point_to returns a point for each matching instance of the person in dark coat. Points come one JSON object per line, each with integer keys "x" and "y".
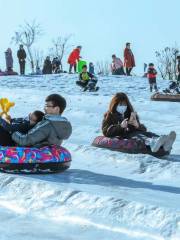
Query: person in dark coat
{"x": 22, "y": 125}
{"x": 56, "y": 64}
{"x": 121, "y": 121}
{"x": 47, "y": 67}
{"x": 9, "y": 60}
{"x": 129, "y": 61}
{"x": 21, "y": 54}
{"x": 151, "y": 75}
{"x": 91, "y": 68}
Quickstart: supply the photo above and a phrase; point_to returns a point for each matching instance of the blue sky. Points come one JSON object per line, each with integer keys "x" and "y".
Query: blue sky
{"x": 102, "y": 27}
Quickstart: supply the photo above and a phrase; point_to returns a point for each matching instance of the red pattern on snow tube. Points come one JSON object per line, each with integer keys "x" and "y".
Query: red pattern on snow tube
{"x": 122, "y": 145}
{"x": 126, "y": 145}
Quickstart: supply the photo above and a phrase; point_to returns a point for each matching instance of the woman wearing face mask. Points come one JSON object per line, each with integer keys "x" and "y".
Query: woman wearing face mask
{"x": 121, "y": 121}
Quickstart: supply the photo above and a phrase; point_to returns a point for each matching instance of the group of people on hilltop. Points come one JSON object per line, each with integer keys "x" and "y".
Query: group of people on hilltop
{"x": 49, "y": 66}
{"x": 21, "y": 55}
{"x": 117, "y": 66}
{"x": 53, "y": 66}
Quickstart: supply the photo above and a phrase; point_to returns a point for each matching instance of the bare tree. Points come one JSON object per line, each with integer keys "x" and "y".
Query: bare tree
{"x": 60, "y": 48}
{"x": 27, "y": 35}
{"x": 38, "y": 57}
{"x": 103, "y": 68}
{"x": 167, "y": 62}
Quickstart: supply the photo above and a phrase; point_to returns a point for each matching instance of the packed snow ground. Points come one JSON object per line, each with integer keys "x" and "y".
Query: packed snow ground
{"x": 104, "y": 195}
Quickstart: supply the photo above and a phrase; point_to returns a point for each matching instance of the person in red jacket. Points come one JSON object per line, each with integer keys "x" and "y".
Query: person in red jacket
{"x": 73, "y": 58}
{"x": 129, "y": 61}
{"x": 151, "y": 75}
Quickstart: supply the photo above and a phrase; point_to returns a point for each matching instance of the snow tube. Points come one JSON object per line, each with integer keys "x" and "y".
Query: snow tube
{"x": 126, "y": 145}
{"x": 80, "y": 65}
{"x": 166, "y": 97}
{"x": 34, "y": 160}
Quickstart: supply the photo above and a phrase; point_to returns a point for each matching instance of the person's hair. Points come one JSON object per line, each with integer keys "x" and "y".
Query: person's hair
{"x": 151, "y": 64}
{"x": 128, "y": 43}
{"x": 39, "y": 115}
{"x": 79, "y": 47}
{"x": 57, "y": 101}
{"x": 178, "y": 57}
{"x": 113, "y": 55}
{"x": 84, "y": 66}
{"x": 118, "y": 98}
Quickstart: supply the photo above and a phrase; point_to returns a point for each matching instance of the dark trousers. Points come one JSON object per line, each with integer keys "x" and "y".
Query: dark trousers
{"x": 82, "y": 84}
{"x": 152, "y": 83}
{"x": 128, "y": 71}
{"x": 5, "y": 138}
{"x": 119, "y": 71}
{"x": 22, "y": 67}
{"x": 71, "y": 66}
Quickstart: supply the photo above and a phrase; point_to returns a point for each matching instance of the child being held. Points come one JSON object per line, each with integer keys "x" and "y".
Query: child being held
{"x": 22, "y": 125}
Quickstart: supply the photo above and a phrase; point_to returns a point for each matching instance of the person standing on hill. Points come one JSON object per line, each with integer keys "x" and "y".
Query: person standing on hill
{"x": 129, "y": 61}
{"x": 9, "y": 60}
{"x": 21, "y": 54}
{"x": 47, "y": 67}
{"x": 151, "y": 74}
{"x": 91, "y": 68}
{"x": 73, "y": 58}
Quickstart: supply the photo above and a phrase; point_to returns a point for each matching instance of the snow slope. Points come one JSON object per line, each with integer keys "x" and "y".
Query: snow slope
{"x": 104, "y": 195}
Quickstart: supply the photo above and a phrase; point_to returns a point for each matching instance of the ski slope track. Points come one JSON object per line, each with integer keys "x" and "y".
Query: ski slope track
{"x": 105, "y": 194}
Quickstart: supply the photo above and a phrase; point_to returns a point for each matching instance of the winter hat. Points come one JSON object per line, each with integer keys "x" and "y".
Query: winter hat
{"x": 151, "y": 64}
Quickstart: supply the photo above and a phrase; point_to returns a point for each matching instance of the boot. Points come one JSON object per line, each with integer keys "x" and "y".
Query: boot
{"x": 169, "y": 141}
{"x": 156, "y": 143}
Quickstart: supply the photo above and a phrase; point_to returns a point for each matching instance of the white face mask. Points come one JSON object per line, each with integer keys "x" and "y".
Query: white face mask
{"x": 121, "y": 109}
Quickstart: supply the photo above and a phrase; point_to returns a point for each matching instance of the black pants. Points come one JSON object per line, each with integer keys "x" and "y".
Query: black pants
{"x": 143, "y": 135}
{"x": 71, "y": 66}
{"x": 5, "y": 138}
{"x": 82, "y": 84}
{"x": 22, "y": 67}
{"x": 152, "y": 83}
{"x": 119, "y": 71}
{"x": 128, "y": 71}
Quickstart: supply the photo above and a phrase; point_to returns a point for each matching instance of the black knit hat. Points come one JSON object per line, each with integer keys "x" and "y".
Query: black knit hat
{"x": 151, "y": 64}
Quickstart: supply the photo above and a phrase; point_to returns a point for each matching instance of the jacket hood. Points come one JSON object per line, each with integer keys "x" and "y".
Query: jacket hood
{"x": 58, "y": 117}
{"x": 60, "y": 125}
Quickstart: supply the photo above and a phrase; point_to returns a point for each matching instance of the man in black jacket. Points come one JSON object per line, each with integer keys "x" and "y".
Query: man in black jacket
{"x": 21, "y": 54}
